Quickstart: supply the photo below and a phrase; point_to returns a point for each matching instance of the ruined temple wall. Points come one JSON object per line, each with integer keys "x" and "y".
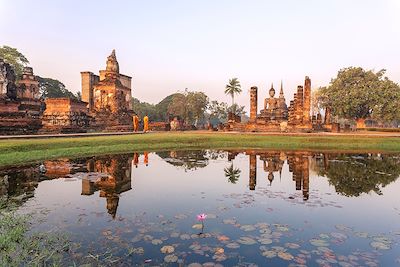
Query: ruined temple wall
{"x": 63, "y": 113}
{"x": 125, "y": 80}
{"x": 88, "y": 81}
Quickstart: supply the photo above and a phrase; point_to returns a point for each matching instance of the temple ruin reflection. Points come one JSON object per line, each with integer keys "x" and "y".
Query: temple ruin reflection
{"x": 350, "y": 174}
{"x": 273, "y": 162}
{"x": 111, "y": 176}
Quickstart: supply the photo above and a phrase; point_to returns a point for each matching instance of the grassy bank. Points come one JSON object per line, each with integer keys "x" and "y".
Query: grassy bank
{"x": 13, "y": 152}
{"x": 19, "y": 248}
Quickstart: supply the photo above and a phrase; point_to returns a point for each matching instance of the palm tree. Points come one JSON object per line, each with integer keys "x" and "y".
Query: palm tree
{"x": 232, "y": 174}
{"x": 232, "y": 88}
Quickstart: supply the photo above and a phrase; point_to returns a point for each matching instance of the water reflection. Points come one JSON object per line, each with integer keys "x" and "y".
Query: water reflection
{"x": 350, "y": 174}
{"x": 109, "y": 175}
{"x": 253, "y": 213}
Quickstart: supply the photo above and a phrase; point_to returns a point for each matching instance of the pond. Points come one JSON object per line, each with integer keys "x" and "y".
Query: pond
{"x": 262, "y": 207}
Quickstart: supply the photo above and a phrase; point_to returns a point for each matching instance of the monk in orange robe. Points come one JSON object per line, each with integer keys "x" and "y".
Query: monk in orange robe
{"x": 145, "y": 123}
{"x": 135, "y": 123}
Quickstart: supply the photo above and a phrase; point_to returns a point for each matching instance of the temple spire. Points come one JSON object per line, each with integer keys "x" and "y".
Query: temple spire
{"x": 113, "y": 54}
{"x": 281, "y": 92}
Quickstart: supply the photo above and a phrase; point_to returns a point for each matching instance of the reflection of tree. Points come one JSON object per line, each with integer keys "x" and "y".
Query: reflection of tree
{"x": 357, "y": 174}
{"x": 232, "y": 174}
{"x": 189, "y": 160}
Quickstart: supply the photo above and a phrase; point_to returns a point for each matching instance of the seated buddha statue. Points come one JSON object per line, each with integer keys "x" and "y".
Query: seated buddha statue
{"x": 274, "y": 108}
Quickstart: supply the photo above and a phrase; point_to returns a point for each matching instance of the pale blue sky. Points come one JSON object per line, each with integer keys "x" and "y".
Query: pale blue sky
{"x": 167, "y": 46}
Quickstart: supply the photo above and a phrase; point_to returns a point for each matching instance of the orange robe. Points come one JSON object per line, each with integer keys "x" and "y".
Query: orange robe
{"x": 135, "y": 123}
{"x": 145, "y": 123}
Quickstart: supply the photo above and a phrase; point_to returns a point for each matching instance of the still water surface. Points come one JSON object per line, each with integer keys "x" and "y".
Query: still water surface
{"x": 264, "y": 208}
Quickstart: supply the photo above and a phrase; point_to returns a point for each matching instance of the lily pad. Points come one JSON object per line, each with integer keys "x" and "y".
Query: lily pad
{"x": 247, "y": 228}
{"x": 185, "y": 237}
{"x": 171, "y": 258}
{"x": 219, "y": 250}
{"x": 282, "y": 228}
{"x": 292, "y": 245}
{"x": 167, "y": 249}
{"x": 339, "y": 236}
{"x": 269, "y": 253}
{"x": 361, "y": 234}
{"x": 244, "y": 240}
{"x": 229, "y": 221}
{"x": 342, "y": 227}
{"x": 222, "y": 238}
{"x": 219, "y": 257}
{"x": 265, "y": 241}
{"x": 380, "y": 245}
{"x": 285, "y": 256}
{"x": 175, "y": 235}
{"x": 197, "y": 226}
{"x": 233, "y": 245}
{"x": 319, "y": 242}
{"x": 156, "y": 241}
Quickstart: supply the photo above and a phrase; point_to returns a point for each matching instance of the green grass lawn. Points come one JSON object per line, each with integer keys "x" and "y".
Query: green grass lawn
{"x": 13, "y": 152}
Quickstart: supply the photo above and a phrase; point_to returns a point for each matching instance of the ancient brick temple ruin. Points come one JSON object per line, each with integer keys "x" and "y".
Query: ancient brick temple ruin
{"x": 277, "y": 117}
{"x": 106, "y": 104}
{"x": 20, "y": 105}
{"x": 108, "y": 96}
{"x": 65, "y": 115}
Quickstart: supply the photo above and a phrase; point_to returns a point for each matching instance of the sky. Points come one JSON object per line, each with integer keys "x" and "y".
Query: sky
{"x": 167, "y": 46}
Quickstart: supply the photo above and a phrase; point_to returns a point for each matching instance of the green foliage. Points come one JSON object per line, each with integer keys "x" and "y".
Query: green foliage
{"x": 162, "y": 107}
{"x": 218, "y": 111}
{"x": 233, "y": 174}
{"x": 233, "y": 87}
{"x": 13, "y": 57}
{"x": 51, "y": 88}
{"x": 143, "y": 108}
{"x": 357, "y": 174}
{"x": 190, "y": 106}
{"x": 18, "y": 248}
{"x": 358, "y": 94}
{"x": 237, "y": 110}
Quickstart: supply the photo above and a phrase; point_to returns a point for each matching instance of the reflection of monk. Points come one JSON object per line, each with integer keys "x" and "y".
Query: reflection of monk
{"x": 136, "y": 159}
{"x": 135, "y": 123}
{"x": 145, "y": 123}
{"x": 146, "y": 158}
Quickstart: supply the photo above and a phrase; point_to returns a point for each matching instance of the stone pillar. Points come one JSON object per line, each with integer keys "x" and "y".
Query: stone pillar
{"x": 253, "y": 104}
{"x": 307, "y": 100}
{"x": 253, "y": 171}
{"x": 88, "y": 81}
{"x": 306, "y": 177}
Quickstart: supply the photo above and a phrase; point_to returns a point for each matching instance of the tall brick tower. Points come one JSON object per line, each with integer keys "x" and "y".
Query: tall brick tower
{"x": 253, "y": 103}
{"x": 307, "y": 100}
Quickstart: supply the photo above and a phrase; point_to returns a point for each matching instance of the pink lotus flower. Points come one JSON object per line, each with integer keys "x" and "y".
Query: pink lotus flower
{"x": 201, "y": 217}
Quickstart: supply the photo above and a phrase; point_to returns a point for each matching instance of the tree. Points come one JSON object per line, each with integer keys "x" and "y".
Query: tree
{"x": 162, "y": 107}
{"x": 218, "y": 111}
{"x": 352, "y": 175}
{"x": 359, "y": 94}
{"x": 143, "y": 108}
{"x": 190, "y": 106}
{"x": 13, "y": 57}
{"x": 233, "y": 174}
{"x": 237, "y": 110}
{"x": 51, "y": 88}
{"x": 78, "y": 96}
{"x": 233, "y": 87}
